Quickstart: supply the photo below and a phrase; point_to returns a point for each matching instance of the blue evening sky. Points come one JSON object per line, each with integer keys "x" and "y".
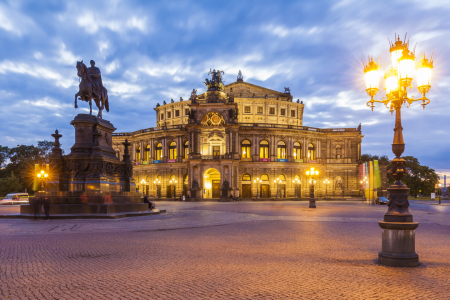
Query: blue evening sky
{"x": 151, "y": 51}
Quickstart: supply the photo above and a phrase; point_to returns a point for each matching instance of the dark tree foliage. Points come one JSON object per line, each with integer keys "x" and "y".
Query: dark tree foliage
{"x": 10, "y": 184}
{"x": 21, "y": 160}
{"x": 4, "y": 154}
{"x": 420, "y": 178}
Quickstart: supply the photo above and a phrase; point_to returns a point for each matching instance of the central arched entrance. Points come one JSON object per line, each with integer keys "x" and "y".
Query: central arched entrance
{"x": 211, "y": 183}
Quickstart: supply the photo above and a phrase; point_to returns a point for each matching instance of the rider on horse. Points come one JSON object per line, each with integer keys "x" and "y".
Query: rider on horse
{"x": 96, "y": 78}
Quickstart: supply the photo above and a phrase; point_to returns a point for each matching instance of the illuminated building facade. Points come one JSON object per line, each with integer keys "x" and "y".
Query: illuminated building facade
{"x": 237, "y": 140}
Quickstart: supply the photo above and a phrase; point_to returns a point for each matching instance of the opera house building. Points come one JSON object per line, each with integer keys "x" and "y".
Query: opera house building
{"x": 240, "y": 140}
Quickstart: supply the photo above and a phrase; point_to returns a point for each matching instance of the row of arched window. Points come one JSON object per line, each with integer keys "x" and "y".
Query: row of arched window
{"x": 264, "y": 151}
{"x": 159, "y": 151}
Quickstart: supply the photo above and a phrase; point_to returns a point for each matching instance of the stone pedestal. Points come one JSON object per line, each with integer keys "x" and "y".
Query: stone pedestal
{"x": 91, "y": 179}
{"x": 398, "y": 244}
{"x": 312, "y": 203}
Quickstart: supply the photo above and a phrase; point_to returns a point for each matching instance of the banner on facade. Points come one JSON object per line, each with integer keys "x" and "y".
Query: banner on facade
{"x": 264, "y": 159}
{"x": 157, "y": 161}
{"x": 171, "y": 160}
{"x": 298, "y": 160}
{"x": 282, "y": 160}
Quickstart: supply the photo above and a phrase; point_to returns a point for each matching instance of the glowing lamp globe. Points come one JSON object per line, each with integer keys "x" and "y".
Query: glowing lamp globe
{"x": 424, "y": 68}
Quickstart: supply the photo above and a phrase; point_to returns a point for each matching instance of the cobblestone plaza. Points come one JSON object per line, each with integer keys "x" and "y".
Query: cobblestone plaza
{"x": 233, "y": 250}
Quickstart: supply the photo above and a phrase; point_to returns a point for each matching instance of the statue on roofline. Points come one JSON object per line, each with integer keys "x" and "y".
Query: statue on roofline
{"x": 216, "y": 82}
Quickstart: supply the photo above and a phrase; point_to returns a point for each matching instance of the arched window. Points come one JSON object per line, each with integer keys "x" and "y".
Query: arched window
{"x": 138, "y": 153}
{"x": 311, "y": 152}
{"x": 246, "y": 149}
{"x": 118, "y": 153}
{"x": 158, "y": 151}
{"x": 281, "y": 150}
{"x": 265, "y": 177}
{"x": 173, "y": 150}
{"x": 297, "y": 151}
{"x": 338, "y": 151}
{"x": 246, "y": 177}
{"x": 147, "y": 152}
{"x": 264, "y": 149}
{"x": 186, "y": 149}
{"x": 282, "y": 177}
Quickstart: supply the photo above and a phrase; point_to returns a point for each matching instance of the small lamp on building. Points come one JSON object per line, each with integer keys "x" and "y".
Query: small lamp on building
{"x": 363, "y": 185}
{"x": 311, "y": 173}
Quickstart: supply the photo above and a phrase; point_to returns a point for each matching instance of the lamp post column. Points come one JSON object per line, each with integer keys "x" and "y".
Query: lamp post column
{"x": 312, "y": 200}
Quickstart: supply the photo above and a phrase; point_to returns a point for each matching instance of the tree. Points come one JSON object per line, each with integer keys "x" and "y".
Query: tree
{"x": 10, "y": 184}
{"x": 22, "y": 160}
{"x": 4, "y": 155}
{"x": 369, "y": 157}
{"x": 420, "y": 178}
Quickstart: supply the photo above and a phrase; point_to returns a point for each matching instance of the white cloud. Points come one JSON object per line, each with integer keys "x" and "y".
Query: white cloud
{"x": 92, "y": 23}
{"x": 13, "y": 21}
{"x": 36, "y": 71}
{"x": 121, "y": 88}
{"x": 283, "y": 31}
{"x": 112, "y": 66}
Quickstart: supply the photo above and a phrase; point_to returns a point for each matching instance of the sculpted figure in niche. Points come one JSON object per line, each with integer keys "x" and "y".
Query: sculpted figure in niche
{"x": 338, "y": 151}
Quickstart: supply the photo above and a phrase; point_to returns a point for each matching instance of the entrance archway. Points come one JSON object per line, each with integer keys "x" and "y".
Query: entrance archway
{"x": 211, "y": 183}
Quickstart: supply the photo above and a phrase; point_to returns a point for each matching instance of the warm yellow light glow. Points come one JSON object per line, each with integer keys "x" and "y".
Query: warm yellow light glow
{"x": 424, "y": 68}
{"x": 391, "y": 81}
{"x": 39, "y": 175}
{"x": 45, "y": 175}
{"x": 42, "y": 172}
{"x": 406, "y": 66}
{"x": 312, "y": 169}
{"x": 208, "y": 185}
{"x": 372, "y": 76}
{"x": 295, "y": 154}
{"x": 317, "y": 172}
{"x": 307, "y": 172}
{"x": 395, "y": 56}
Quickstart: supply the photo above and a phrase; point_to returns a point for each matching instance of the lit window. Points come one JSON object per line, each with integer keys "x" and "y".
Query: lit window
{"x": 264, "y": 149}
{"x": 271, "y": 110}
{"x": 158, "y": 151}
{"x": 246, "y": 148}
{"x": 264, "y": 177}
{"x": 173, "y": 150}
{"x": 186, "y": 149}
{"x": 138, "y": 153}
{"x": 259, "y": 110}
{"x": 311, "y": 154}
{"x": 297, "y": 151}
{"x": 283, "y": 112}
{"x": 147, "y": 153}
{"x": 247, "y": 109}
{"x": 246, "y": 177}
{"x": 281, "y": 150}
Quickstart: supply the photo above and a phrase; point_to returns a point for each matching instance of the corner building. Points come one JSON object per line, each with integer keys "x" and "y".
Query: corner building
{"x": 237, "y": 140}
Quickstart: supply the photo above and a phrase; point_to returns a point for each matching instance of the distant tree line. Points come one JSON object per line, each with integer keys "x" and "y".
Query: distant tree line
{"x": 17, "y": 166}
{"x": 420, "y": 180}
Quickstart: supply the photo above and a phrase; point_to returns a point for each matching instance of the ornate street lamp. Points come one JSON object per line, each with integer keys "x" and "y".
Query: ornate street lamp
{"x": 42, "y": 176}
{"x": 311, "y": 173}
{"x": 326, "y": 182}
{"x": 277, "y": 182}
{"x": 157, "y": 182}
{"x": 296, "y": 183}
{"x": 143, "y": 182}
{"x": 398, "y": 246}
{"x": 257, "y": 181}
{"x": 437, "y": 193}
{"x": 173, "y": 182}
{"x": 363, "y": 185}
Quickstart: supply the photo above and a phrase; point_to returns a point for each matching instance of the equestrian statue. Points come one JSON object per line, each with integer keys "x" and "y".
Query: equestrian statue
{"x": 91, "y": 87}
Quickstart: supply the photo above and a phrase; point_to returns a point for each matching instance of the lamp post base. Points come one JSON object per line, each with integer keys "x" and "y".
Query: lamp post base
{"x": 398, "y": 244}
{"x": 312, "y": 203}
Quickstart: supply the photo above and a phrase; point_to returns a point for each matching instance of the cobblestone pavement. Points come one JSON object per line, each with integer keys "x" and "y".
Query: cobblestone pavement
{"x": 262, "y": 250}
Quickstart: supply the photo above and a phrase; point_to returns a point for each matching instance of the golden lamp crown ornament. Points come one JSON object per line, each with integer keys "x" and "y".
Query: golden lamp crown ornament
{"x": 399, "y": 77}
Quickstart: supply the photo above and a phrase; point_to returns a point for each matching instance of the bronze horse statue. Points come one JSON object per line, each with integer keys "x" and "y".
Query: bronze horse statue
{"x": 87, "y": 91}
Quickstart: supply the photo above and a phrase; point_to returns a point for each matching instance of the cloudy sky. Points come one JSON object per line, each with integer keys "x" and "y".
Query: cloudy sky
{"x": 151, "y": 51}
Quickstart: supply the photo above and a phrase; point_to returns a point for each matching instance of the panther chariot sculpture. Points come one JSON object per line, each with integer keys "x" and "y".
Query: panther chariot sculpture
{"x": 91, "y": 87}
